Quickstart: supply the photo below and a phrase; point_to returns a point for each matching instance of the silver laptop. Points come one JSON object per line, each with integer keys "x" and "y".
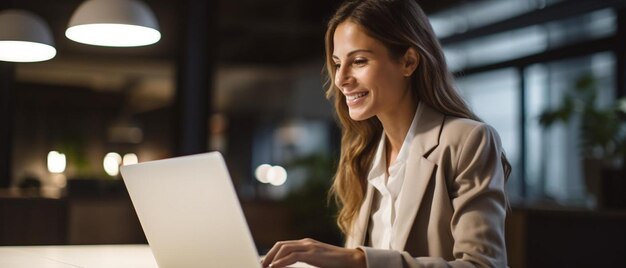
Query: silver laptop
{"x": 190, "y": 213}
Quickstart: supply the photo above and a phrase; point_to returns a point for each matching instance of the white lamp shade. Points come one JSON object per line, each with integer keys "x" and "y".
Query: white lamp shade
{"x": 24, "y": 37}
{"x": 115, "y": 23}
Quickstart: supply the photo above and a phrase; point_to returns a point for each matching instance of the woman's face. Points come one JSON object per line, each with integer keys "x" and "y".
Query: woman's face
{"x": 372, "y": 82}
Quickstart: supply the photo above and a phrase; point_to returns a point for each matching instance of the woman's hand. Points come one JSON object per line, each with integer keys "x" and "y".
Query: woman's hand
{"x": 315, "y": 253}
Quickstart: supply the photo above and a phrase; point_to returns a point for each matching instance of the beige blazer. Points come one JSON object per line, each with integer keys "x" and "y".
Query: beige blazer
{"x": 452, "y": 202}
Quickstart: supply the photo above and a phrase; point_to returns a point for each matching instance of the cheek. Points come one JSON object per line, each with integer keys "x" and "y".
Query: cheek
{"x": 381, "y": 80}
{"x": 389, "y": 88}
{"x": 371, "y": 78}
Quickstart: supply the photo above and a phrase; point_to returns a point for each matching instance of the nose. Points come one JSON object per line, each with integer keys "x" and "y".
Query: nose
{"x": 342, "y": 77}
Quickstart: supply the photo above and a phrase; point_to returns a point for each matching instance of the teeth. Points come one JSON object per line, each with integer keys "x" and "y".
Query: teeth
{"x": 356, "y": 96}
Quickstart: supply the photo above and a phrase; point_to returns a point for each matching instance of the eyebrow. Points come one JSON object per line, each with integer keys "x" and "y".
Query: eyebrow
{"x": 355, "y": 51}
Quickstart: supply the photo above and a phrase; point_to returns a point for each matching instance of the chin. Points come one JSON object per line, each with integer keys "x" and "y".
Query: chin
{"x": 359, "y": 116}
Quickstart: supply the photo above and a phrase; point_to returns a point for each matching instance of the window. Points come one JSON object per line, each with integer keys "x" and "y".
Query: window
{"x": 542, "y": 61}
{"x": 474, "y": 14}
{"x": 554, "y": 166}
{"x": 530, "y": 40}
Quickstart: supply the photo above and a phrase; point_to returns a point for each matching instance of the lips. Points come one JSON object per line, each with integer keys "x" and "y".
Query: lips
{"x": 356, "y": 96}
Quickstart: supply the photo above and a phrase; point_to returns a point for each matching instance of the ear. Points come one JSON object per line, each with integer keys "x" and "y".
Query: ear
{"x": 411, "y": 60}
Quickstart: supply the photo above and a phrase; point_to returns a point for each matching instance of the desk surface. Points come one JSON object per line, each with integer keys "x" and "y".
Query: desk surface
{"x": 121, "y": 256}
{"x": 95, "y": 256}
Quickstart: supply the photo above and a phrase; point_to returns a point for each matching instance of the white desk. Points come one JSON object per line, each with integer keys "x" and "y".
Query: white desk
{"x": 96, "y": 256}
{"x": 101, "y": 256}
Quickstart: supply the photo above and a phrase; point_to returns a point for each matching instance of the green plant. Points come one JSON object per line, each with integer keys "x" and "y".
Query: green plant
{"x": 602, "y": 130}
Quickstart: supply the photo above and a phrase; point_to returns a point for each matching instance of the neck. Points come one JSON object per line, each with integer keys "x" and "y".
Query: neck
{"x": 396, "y": 124}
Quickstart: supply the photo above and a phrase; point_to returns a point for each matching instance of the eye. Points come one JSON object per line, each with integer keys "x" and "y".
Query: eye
{"x": 337, "y": 66}
{"x": 359, "y": 62}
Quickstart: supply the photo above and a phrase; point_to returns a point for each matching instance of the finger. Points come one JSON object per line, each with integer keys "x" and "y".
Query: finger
{"x": 291, "y": 258}
{"x": 270, "y": 254}
{"x": 318, "y": 254}
{"x": 269, "y": 257}
{"x": 287, "y": 249}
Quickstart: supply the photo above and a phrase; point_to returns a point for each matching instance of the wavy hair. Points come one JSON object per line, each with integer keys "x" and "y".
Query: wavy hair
{"x": 399, "y": 25}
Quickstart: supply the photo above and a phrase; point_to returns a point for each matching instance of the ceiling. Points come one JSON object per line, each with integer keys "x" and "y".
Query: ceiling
{"x": 248, "y": 31}
{"x": 261, "y": 44}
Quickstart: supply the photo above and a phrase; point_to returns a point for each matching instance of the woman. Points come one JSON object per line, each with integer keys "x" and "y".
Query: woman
{"x": 421, "y": 180}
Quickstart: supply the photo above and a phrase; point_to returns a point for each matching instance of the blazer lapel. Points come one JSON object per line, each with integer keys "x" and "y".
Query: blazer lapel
{"x": 418, "y": 174}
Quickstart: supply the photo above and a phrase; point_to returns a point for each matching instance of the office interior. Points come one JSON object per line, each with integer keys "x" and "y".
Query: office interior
{"x": 245, "y": 78}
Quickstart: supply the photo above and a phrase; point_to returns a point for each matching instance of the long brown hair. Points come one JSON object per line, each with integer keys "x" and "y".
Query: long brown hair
{"x": 399, "y": 25}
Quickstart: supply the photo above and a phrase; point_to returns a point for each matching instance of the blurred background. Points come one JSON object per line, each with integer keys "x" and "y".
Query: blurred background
{"x": 244, "y": 77}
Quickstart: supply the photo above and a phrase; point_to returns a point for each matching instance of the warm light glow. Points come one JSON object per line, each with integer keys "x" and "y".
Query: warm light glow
{"x": 56, "y": 162}
{"x": 261, "y": 173}
{"x": 277, "y": 175}
{"x": 113, "y": 35}
{"x": 23, "y": 51}
{"x": 130, "y": 159}
{"x": 112, "y": 163}
{"x": 59, "y": 180}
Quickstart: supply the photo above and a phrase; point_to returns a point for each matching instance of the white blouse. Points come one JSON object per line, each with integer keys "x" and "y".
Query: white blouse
{"x": 388, "y": 187}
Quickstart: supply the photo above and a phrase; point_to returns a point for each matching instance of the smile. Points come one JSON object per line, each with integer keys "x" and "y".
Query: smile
{"x": 356, "y": 96}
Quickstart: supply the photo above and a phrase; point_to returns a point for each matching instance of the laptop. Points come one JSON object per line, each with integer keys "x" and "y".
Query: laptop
{"x": 190, "y": 213}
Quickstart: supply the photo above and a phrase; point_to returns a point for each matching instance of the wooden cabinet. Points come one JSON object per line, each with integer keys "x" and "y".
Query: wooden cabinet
{"x": 33, "y": 221}
{"x": 39, "y": 220}
{"x": 566, "y": 238}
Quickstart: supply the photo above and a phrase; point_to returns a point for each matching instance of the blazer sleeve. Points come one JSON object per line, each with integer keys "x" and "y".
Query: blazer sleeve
{"x": 478, "y": 199}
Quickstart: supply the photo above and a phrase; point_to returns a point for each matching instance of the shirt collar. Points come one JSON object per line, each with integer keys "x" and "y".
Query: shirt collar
{"x": 378, "y": 163}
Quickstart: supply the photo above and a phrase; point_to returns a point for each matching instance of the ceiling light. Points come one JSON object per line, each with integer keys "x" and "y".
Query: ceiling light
{"x": 113, "y": 23}
{"x": 24, "y": 37}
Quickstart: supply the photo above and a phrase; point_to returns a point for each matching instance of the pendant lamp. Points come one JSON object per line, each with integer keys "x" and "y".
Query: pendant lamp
{"x": 24, "y": 37}
{"x": 113, "y": 23}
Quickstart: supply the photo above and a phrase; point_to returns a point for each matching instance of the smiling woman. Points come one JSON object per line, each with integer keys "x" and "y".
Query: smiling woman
{"x": 420, "y": 181}
{"x": 373, "y": 83}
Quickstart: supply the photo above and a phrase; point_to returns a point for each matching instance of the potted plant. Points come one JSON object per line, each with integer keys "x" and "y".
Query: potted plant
{"x": 602, "y": 138}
